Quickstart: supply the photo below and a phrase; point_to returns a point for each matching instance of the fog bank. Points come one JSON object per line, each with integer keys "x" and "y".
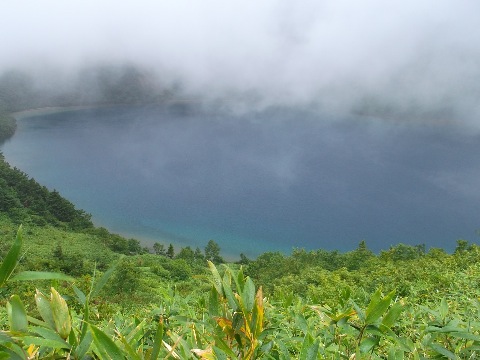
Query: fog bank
{"x": 407, "y": 59}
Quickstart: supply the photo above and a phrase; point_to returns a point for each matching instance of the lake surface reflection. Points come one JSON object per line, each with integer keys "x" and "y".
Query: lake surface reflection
{"x": 256, "y": 182}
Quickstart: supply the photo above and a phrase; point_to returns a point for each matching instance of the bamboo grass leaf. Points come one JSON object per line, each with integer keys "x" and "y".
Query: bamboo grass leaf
{"x": 157, "y": 344}
{"x": 107, "y": 349}
{"x": 309, "y": 349}
{"x": 85, "y": 342}
{"x": 368, "y": 344}
{"x": 248, "y": 295}
{"x": 442, "y": 351}
{"x": 223, "y": 346}
{"x": 132, "y": 354}
{"x": 80, "y": 295}
{"x": 227, "y": 288}
{"x": 217, "y": 280}
{"x": 45, "y": 309}
{"x": 257, "y": 314}
{"x": 10, "y": 261}
{"x": 49, "y": 334}
{"x": 17, "y": 316}
{"x": 61, "y": 315}
{"x": 49, "y": 343}
{"x": 377, "y": 306}
{"x": 41, "y": 275}
{"x": 213, "y": 303}
{"x": 392, "y": 315}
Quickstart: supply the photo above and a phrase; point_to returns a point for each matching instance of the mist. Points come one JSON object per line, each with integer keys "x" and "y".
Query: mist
{"x": 408, "y": 60}
{"x": 365, "y": 115}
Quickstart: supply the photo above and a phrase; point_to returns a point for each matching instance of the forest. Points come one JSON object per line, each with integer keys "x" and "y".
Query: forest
{"x": 70, "y": 290}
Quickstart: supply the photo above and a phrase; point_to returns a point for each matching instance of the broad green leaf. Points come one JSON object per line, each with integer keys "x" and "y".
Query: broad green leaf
{"x": 222, "y": 345}
{"x": 107, "y": 349}
{"x": 213, "y": 302}
{"x": 85, "y": 342}
{"x": 84, "y": 324}
{"x": 49, "y": 334}
{"x": 41, "y": 275}
{"x": 309, "y": 349}
{"x": 54, "y": 344}
{"x": 248, "y": 295}
{"x": 377, "y": 307}
{"x": 227, "y": 288}
{"x": 392, "y": 315}
{"x": 11, "y": 259}
{"x": 368, "y": 344}
{"x": 130, "y": 351}
{"x": 465, "y": 335}
{"x": 219, "y": 354}
{"x": 14, "y": 352}
{"x": 395, "y": 354}
{"x": 17, "y": 316}
{"x": 442, "y": 351}
{"x": 61, "y": 315}
{"x": 45, "y": 309}
{"x": 301, "y": 322}
{"x": 443, "y": 309}
{"x": 257, "y": 314}
{"x": 405, "y": 344}
{"x": 137, "y": 332}
{"x": 444, "y": 329}
{"x": 240, "y": 280}
{"x": 217, "y": 280}
{"x": 157, "y": 344}
{"x": 80, "y": 295}
{"x": 5, "y": 339}
{"x": 374, "y": 301}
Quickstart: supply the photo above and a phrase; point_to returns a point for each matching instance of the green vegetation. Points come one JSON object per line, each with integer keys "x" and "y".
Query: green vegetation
{"x": 8, "y": 125}
{"x": 224, "y": 315}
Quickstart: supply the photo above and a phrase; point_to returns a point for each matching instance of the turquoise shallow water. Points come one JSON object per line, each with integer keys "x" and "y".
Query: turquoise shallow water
{"x": 264, "y": 181}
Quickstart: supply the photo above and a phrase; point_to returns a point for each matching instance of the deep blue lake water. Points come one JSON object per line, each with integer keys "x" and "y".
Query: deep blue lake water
{"x": 263, "y": 181}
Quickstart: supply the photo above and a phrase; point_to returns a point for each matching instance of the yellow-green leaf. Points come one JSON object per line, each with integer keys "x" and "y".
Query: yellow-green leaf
{"x": 45, "y": 309}
{"x": 61, "y": 315}
{"x": 17, "y": 316}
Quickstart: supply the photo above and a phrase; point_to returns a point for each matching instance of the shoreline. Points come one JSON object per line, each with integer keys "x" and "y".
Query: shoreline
{"x": 48, "y": 110}
{"x": 144, "y": 240}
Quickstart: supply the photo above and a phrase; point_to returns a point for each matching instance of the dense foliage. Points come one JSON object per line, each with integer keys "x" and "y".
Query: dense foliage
{"x": 8, "y": 125}
{"x": 224, "y": 315}
{"x": 23, "y": 199}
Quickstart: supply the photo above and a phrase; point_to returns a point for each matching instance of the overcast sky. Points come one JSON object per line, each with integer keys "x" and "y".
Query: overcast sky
{"x": 418, "y": 53}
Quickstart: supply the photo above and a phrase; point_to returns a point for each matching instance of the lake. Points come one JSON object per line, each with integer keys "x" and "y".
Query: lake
{"x": 261, "y": 181}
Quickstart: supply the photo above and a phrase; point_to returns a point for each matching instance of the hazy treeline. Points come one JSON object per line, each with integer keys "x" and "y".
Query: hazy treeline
{"x": 95, "y": 85}
{"x": 125, "y": 84}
